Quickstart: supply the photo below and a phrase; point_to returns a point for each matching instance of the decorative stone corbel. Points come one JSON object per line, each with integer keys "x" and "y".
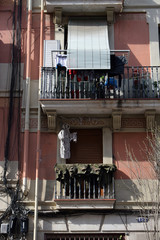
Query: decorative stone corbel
{"x": 150, "y": 119}
{"x": 52, "y": 119}
{"x": 116, "y": 115}
{"x": 110, "y": 14}
{"x": 58, "y": 16}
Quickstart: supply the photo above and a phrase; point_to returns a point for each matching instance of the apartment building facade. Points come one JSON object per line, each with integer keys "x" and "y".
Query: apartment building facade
{"x": 79, "y": 92}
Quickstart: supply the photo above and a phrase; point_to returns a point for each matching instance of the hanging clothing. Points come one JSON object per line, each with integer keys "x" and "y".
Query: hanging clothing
{"x": 117, "y": 67}
{"x": 65, "y": 137}
{"x": 61, "y": 60}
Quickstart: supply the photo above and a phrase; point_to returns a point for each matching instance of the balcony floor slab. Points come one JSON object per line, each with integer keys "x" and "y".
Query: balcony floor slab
{"x": 128, "y": 106}
{"x": 85, "y": 203}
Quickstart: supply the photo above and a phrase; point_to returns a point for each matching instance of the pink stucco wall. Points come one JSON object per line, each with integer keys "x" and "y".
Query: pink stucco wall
{"x": 132, "y": 33}
{"x": 48, "y": 153}
{"x": 130, "y": 151}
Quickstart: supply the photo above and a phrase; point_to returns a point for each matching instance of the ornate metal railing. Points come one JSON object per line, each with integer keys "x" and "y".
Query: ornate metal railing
{"x": 136, "y": 82}
{"x": 84, "y": 181}
{"x": 83, "y": 236}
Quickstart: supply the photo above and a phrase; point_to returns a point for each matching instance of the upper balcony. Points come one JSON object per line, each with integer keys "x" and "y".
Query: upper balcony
{"x": 98, "y": 91}
{"x": 88, "y": 6}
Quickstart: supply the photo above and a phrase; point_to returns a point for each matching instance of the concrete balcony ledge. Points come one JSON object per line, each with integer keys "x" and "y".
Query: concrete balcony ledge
{"x": 85, "y": 203}
{"x": 72, "y": 6}
{"x": 132, "y": 106}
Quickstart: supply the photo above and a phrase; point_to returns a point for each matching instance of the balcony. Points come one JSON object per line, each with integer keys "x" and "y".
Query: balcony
{"x": 84, "y": 186}
{"x": 135, "y": 83}
{"x": 95, "y": 92}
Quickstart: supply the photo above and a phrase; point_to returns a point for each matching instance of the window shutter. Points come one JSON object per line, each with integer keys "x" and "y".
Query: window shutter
{"x": 88, "y": 148}
{"x": 50, "y": 45}
{"x": 88, "y": 44}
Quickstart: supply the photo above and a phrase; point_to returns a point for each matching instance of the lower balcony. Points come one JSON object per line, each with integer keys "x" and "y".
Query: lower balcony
{"x": 84, "y": 186}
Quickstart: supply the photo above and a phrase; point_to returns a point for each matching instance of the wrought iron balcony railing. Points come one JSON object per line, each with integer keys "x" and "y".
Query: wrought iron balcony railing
{"x": 136, "y": 82}
{"x": 84, "y": 181}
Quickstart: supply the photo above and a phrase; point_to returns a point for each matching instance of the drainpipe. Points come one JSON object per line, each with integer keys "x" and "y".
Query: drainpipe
{"x": 28, "y": 76}
{"x": 39, "y": 124}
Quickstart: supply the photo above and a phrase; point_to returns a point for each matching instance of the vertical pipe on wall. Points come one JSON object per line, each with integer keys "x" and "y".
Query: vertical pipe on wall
{"x": 27, "y": 107}
{"x": 39, "y": 123}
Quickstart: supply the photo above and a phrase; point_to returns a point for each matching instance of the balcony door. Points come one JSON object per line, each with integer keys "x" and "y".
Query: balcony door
{"x": 88, "y": 148}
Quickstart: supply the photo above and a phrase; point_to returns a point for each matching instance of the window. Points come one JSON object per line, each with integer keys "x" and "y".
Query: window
{"x": 88, "y": 148}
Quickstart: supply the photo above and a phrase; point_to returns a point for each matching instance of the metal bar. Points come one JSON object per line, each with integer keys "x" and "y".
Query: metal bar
{"x": 47, "y": 85}
{"x": 147, "y": 75}
{"x": 84, "y": 90}
{"x": 74, "y": 87}
{"x": 53, "y": 84}
{"x": 79, "y": 188}
{"x": 104, "y": 189}
{"x": 113, "y": 187}
{"x": 89, "y": 187}
{"x": 114, "y": 88}
{"x": 65, "y": 90}
{"x": 99, "y": 189}
{"x": 70, "y": 88}
{"x": 157, "y": 82}
{"x": 143, "y": 82}
{"x": 108, "y": 193}
{"x": 79, "y": 88}
{"x": 60, "y": 88}
{"x": 62, "y": 50}
{"x": 60, "y": 190}
{"x": 84, "y": 187}
{"x": 105, "y": 91}
{"x": 152, "y": 77}
{"x": 89, "y": 89}
{"x": 75, "y": 187}
{"x": 138, "y": 83}
{"x": 114, "y": 50}
{"x": 65, "y": 189}
{"x": 70, "y": 189}
{"x": 42, "y": 84}
{"x": 134, "y": 83}
{"x": 94, "y": 189}
{"x": 56, "y": 83}
{"x": 55, "y": 190}
{"x": 118, "y": 85}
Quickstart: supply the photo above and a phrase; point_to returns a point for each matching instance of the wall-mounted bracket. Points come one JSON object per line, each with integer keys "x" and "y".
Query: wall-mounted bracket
{"x": 110, "y": 14}
{"x": 150, "y": 119}
{"x": 116, "y": 115}
{"x": 57, "y": 16}
{"x": 52, "y": 120}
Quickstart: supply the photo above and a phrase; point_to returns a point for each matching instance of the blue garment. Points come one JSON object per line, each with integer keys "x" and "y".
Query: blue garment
{"x": 111, "y": 82}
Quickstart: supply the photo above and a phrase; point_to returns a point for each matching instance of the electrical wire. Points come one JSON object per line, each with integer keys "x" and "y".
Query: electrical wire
{"x": 13, "y": 146}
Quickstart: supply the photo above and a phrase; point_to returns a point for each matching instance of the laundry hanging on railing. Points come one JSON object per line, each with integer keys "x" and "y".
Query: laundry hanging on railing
{"x": 98, "y": 171}
{"x": 65, "y": 138}
{"x": 61, "y": 60}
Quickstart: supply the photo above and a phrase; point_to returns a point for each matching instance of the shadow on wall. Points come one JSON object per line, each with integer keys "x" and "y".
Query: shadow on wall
{"x": 126, "y": 189}
{"x": 46, "y": 190}
{"x": 6, "y": 52}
